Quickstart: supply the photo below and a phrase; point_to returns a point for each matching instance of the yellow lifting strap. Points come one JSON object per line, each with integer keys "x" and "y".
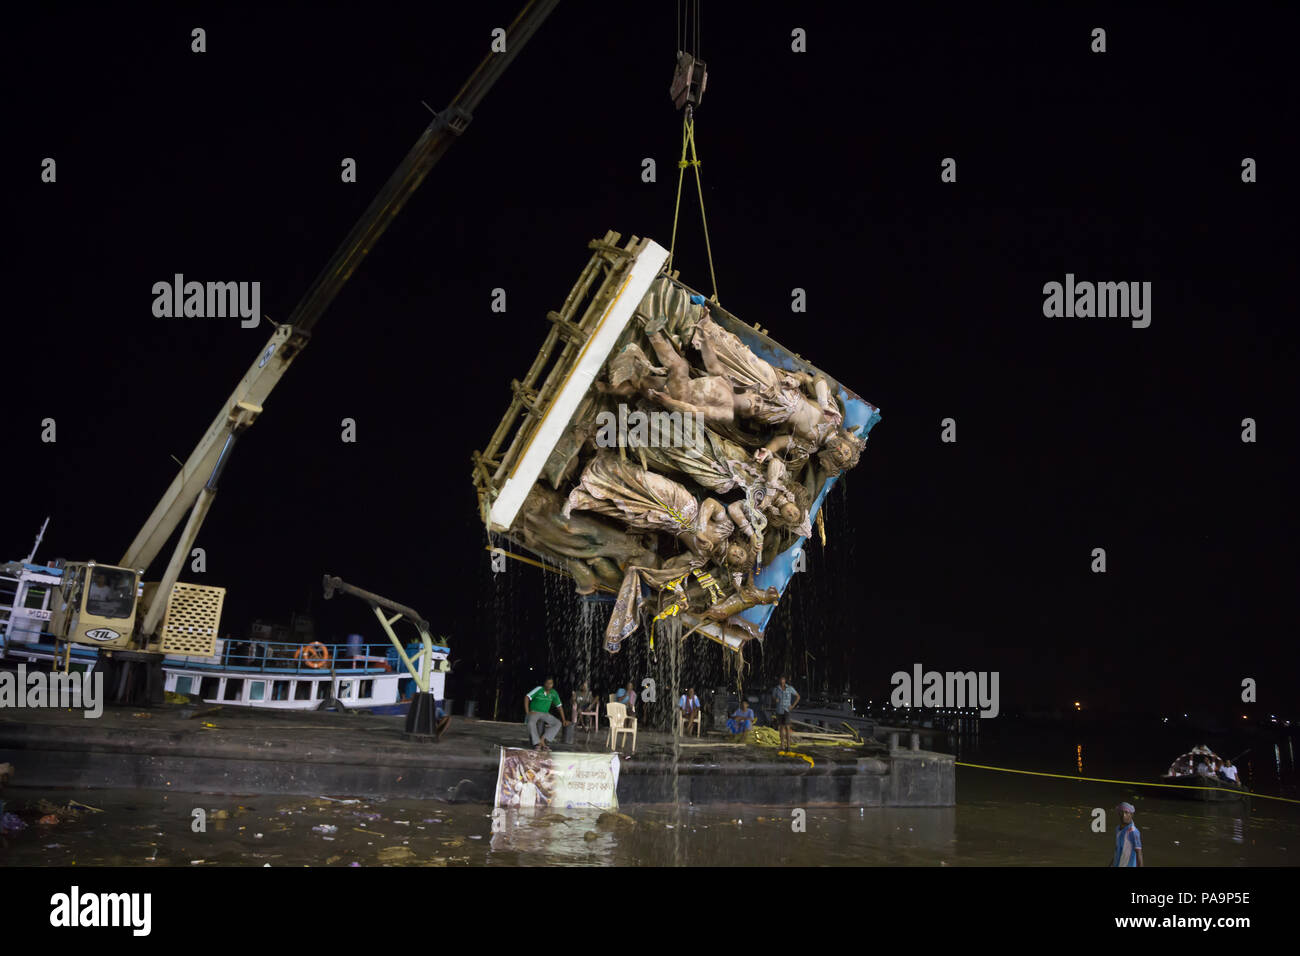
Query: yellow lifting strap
{"x": 688, "y": 140}
{"x": 711, "y": 587}
{"x": 680, "y": 602}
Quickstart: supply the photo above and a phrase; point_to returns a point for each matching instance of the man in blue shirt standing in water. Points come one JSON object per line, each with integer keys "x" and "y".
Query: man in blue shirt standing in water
{"x": 1128, "y": 840}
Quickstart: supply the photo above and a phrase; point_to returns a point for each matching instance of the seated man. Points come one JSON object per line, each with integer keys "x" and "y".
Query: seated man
{"x": 442, "y": 717}
{"x": 537, "y": 712}
{"x": 689, "y": 705}
{"x": 627, "y": 697}
{"x": 742, "y": 719}
{"x": 584, "y": 700}
{"x": 1229, "y": 772}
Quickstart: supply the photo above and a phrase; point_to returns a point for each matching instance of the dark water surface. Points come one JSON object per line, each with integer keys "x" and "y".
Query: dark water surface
{"x": 1000, "y": 819}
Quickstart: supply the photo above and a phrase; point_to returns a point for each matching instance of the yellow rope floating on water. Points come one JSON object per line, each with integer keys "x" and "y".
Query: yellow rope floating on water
{"x": 1132, "y": 783}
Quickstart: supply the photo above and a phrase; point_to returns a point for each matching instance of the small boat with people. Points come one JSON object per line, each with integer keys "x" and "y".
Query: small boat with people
{"x": 1201, "y": 774}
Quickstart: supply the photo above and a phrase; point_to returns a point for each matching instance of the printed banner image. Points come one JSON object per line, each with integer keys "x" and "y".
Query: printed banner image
{"x": 528, "y": 778}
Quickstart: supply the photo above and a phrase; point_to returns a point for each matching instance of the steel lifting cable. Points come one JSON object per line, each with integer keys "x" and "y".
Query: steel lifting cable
{"x": 691, "y": 28}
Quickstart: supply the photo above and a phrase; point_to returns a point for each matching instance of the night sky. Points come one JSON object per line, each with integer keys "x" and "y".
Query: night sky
{"x": 821, "y": 171}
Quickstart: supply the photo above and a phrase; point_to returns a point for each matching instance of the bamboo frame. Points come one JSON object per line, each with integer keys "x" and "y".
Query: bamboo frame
{"x": 532, "y": 396}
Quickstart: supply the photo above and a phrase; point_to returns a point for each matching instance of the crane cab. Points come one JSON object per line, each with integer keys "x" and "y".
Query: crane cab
{"x": 96, "y": 604}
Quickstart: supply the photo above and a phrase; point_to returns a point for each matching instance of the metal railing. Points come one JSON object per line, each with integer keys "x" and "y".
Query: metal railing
{"x": 271, "y": 657}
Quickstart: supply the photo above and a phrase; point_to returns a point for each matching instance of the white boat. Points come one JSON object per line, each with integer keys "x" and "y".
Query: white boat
{"x": 262, "y": 674}
{"x": 278, "y": 676}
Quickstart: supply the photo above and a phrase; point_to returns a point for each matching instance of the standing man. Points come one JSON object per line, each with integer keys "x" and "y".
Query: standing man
{"x": 537, "y": 712}
{"x": 786, "y": 699}
{"x": 1128, "y": 840}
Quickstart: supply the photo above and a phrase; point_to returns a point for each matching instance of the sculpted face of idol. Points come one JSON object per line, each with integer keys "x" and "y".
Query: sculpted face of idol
{"x": 790, "y": 513}
{"x": 841, "y": 451}
{"x": 737, "y": 556}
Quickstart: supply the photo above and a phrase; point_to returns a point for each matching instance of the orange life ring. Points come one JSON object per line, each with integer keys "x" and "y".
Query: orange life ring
{"x": 315, "y": 655}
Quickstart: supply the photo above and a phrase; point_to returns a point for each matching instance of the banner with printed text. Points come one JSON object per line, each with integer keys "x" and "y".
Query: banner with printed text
{"x": 564, "y": 781}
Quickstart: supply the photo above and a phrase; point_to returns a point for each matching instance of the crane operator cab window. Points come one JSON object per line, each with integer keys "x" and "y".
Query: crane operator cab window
{"x": 112, "y": 593}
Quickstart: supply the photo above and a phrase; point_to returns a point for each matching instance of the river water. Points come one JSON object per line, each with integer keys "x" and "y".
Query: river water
{"x": 999, "y": 819}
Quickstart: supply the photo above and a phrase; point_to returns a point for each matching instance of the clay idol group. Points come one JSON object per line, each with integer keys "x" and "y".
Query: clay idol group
{"x": 740, "y": 449}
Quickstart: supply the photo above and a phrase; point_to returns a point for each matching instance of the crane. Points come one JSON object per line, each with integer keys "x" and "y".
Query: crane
{"x": 108, "y": 606}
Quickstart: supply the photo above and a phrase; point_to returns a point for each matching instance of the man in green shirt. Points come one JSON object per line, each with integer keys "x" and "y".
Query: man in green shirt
{"x": 542, "y": 727}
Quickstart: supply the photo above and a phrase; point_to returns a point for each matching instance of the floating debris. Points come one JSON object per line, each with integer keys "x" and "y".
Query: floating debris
{"x": 610, "y": 820}
{"x": 396, "y": 854}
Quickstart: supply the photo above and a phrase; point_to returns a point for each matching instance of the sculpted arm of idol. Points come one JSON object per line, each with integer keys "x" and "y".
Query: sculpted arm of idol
{"x": 677, "y": 405}
{"x": 772, "y": 453}
{"x": 736, "y": 512}
{"x": 710, "y": 508}
{"x": 824, "y": 399}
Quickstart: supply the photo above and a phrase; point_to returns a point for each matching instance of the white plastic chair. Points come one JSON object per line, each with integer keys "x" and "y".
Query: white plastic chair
{"x": 695, "y": 722}
{"x": 620, "y": 723}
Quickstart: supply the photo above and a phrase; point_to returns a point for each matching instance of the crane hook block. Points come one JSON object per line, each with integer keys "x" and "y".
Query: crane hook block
{"x": 454, "y": 118}
{"x": 688, "y": 81}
